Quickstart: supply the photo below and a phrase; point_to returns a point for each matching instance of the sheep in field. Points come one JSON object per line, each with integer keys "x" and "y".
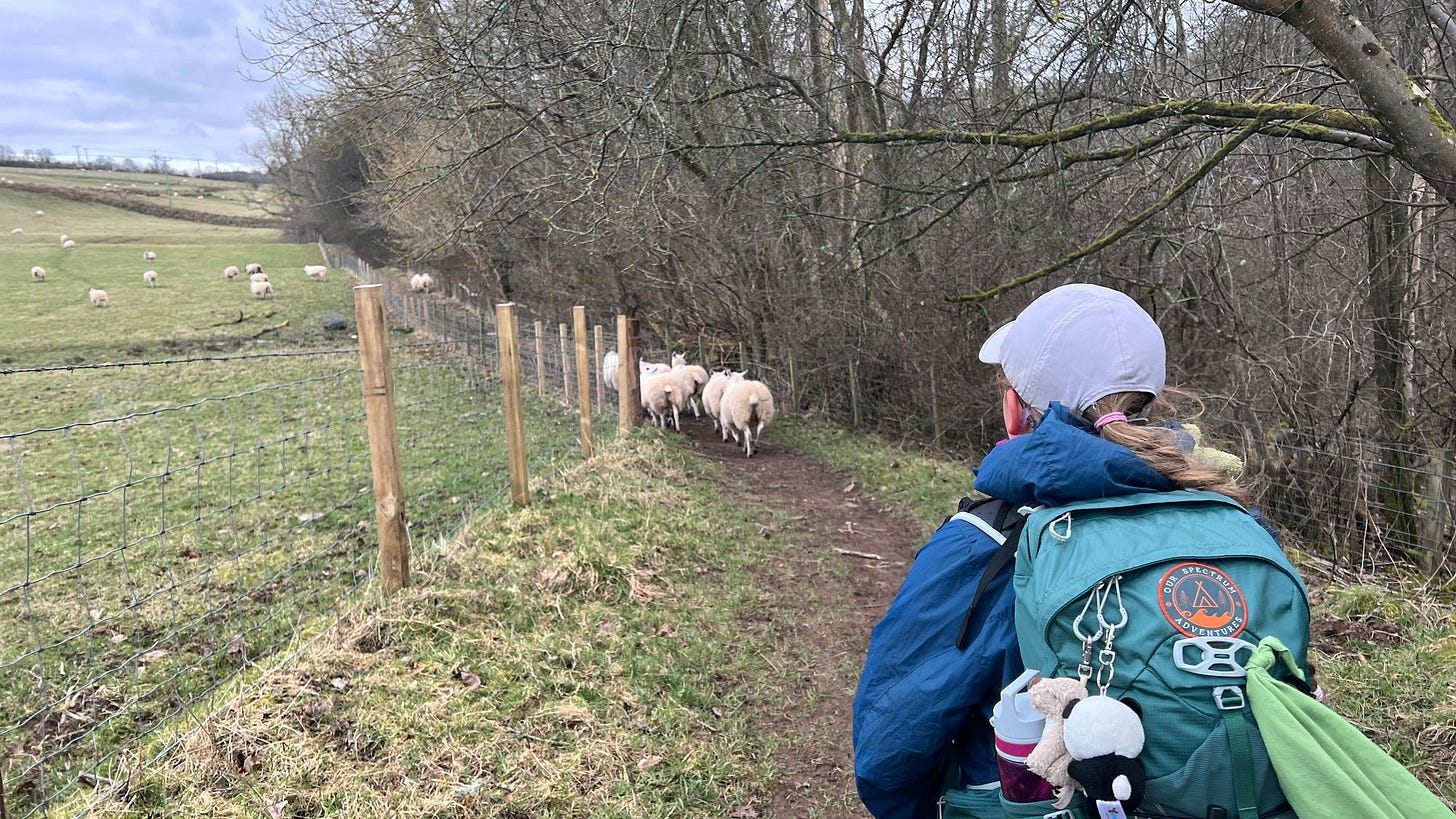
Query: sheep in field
{"x": 150, "y": 277}
{"x": 68, "y": 244}
{"x": 38, "y": 273}
{"x": 63, "y": 238}
{"x": 16, "y": 231}
{"x": 149, "y": 256}
{"x": 253, "y": 267}
{"x": 260, "y": 276}
{"x": 747, "y": 408}
{"x": 610, "y": 362}
{"x": 99, "y": 298}
{"x": 261, "y": 289}
{"x": 40, "y": 213}
{"x": 422, "y": 282}
{"x": 713, "y": 394}
{"x": 231, "y": 272}
{"x": 315, "y": 271}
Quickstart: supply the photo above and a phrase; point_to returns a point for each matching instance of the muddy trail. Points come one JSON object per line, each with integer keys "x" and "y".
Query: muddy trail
{"x": 826, "y": 616}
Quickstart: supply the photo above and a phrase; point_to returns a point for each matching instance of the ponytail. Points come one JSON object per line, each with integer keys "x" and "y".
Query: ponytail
{"x": 1156, "y": 445}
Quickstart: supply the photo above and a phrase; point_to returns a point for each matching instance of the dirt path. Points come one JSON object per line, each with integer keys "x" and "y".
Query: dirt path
{"x": 828, "y": 620}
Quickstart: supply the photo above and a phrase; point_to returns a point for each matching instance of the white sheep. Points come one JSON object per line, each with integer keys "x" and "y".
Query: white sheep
{"x": 261, "y": 289}
{"x": 315, "y": 271}
{"x": 610, "y": 362}
{"x": 40, "y": 213}
{"x": 149, "y": 256}
{"x": 38, "y": 273}
{"x": 231, "y": 272}
{"x": 662, "y": 396}
{"x": 63, "y": 238}
{"x": 713, "y": 394}
{"x": 693, "y": 378}
{"x": 99, "y": 298}
{"x": 16, "y": 231}
{"x": 68, "y": 244}
{"x": 422, "y": 282}
{"x": 150, "y": 277}
{"x": 260, "y": 276}
{"x": 748, "y": 407}
{"x": 253, "y": 267}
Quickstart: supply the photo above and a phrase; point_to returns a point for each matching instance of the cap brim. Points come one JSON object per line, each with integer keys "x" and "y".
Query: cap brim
{"x": 991, "y": 349}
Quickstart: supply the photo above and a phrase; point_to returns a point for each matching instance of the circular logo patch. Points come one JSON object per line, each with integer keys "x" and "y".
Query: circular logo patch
{"x": 1201, "y": 601}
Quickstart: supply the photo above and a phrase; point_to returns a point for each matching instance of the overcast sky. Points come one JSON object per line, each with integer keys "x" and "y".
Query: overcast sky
{"x": 129, "y": 78}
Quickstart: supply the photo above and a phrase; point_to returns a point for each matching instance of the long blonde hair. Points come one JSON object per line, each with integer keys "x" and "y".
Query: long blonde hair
{"x": 1157, "y": 446}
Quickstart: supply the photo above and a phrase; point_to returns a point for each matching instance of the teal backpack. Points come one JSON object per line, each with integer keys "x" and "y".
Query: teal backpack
{"x": 1163, "y": 597}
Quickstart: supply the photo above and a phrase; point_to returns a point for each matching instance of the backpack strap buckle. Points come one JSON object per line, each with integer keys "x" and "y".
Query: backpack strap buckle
{"x": 1215, "y": 657}
{"x": 1229, "y": 698}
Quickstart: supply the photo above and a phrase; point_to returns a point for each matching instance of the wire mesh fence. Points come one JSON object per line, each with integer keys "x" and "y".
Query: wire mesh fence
{"x": 205, "y": 511}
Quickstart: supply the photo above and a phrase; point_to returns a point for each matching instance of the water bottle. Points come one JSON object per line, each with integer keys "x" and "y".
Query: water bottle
{"x": 1018, "y": 728}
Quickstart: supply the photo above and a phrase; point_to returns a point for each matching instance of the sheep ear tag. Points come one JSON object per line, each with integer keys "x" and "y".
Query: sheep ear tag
{"x": 1201, "y": 601}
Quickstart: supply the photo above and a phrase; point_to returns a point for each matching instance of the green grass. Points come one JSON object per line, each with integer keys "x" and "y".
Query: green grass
{"x": 587, "y": 655}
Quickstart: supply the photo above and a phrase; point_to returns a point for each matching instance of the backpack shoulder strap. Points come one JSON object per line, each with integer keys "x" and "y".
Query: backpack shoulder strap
{"x": 1002, "y": 523}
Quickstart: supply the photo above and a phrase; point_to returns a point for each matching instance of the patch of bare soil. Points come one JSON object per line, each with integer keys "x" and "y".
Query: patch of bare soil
{"x": 824, "y": 612}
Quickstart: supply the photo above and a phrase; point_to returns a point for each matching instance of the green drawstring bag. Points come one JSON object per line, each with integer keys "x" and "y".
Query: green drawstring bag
{"x": 1327, "y": 768}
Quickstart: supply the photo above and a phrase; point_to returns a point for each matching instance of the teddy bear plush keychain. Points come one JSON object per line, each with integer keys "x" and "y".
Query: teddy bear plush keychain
{"x": 1091, "y": 744}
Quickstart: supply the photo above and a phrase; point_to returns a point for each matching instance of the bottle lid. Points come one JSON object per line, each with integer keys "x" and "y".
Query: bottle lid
{"x": 1013, "y": 717}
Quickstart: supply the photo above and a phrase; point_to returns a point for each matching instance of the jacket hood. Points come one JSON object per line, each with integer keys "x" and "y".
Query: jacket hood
{"x": 1061, "y": 461}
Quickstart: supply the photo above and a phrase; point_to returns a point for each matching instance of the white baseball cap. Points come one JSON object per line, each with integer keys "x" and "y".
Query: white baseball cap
{"x": 1077, "y": 344}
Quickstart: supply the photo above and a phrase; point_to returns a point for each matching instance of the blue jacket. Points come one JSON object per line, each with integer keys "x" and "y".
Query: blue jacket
{"x": 917, "y": 693}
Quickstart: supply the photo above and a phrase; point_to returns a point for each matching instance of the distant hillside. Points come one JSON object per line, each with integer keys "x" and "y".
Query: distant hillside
{"x": 138, "y": 201}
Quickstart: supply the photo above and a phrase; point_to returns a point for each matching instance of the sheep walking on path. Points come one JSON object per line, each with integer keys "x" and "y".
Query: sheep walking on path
{"x": 99, "y": 298}
{"x": 748, "y": 407}
{"x": 150, "y": 277}
{"x": 713, "y": 395}
{"x": 661, "y": 397}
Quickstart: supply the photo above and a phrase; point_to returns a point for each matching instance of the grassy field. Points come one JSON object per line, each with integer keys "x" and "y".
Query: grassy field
{"x": 172, "y": 524}
{"x": 193, "y": 304}
{"x": 204, "y": 195}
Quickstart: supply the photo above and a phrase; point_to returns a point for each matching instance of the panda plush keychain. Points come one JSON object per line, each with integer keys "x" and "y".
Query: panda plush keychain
{"x": 1103, "y": 737}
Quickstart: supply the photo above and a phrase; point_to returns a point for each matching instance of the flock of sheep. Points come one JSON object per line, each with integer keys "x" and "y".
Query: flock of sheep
{"x": 258, "y": 283}
{"x": 738, "y": 406}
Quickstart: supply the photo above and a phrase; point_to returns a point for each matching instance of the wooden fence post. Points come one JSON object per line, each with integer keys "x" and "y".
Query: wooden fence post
{"x": 583, "y": 379}
{"x": 540, "y": 361}
{"x": 510, "y": 356}
{"x": 565, "y": 368}
{"x": 854, "y": 409}
{"x": 383, "y": 436}
{"x": 601, "y": 377}
{"x": 628, "y": 407}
